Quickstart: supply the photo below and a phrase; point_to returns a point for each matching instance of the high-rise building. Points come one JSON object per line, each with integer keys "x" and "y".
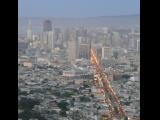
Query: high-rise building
{"x": 58, "y": 37}
{"x": 29, "y": 31}
{"x": 83, "y": 47}
{"x": 48, "y": 40}
{"x": 57, "y": 32}
{"x": 133, "y": 37}
{"x": 72, "y": 47}
{"x": 116, "y": 39}
{"x": 72, "y": 51}
{"x": 106, "y": 41}
{"x": 47, "y": 26}
{"x": 48, "y": 35}
{"x": 107, "y": 52}
{"x": 59, "y": 41}
{"x": 66, "y": 35}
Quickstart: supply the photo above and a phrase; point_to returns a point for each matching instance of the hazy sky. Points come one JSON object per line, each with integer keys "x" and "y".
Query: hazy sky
{"x": 77, "y": 8}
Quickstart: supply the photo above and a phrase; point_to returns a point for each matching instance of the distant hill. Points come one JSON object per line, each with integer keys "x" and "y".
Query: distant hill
{"x": 101, "y": 21}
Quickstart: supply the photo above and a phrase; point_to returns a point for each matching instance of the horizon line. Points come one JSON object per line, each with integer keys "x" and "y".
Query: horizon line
{"x": 81, "y": 16}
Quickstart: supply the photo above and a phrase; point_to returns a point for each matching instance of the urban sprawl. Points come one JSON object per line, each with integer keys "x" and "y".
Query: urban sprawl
{"x": 56, "y": 78}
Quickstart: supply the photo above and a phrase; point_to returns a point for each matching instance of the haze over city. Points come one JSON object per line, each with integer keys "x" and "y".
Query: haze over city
{"x": 78, "y": 60}
{"x": 77, "y": 8}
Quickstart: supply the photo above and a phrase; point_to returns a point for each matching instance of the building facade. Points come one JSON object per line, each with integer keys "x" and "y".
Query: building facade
{"x": 107, "y": 52}
{"x": 47, "y": 26}
{"x": 83, "y": 48}
{"x": 72, "y": 47}
{"x": 48, "y": 40}
{"x": 29, "y": 31}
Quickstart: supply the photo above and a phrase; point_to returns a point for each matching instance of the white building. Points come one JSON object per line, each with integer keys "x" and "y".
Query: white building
{"x": 107, "y": 52}
{"x": 27, "y": 64}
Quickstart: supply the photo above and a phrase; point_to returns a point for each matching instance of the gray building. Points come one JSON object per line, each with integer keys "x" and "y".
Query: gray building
{"x": 48, "y": 39}
{"x": 47, "y": 26}
{"x": 83, "y": 47}
{"x": 29, "y": 31}
{"x": 72, "y": 47}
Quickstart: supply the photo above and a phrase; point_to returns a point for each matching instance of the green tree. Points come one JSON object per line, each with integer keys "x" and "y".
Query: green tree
{"x": 72, "y": 101}
{"x": 67, "y": 94}
{"x": 78, "y": 115}
{"x": 27, "y": 103}
{"x": 92, "y": 95}
{"x": 63, "y": 113}
{"x": 27, "y": 114}
{"x": 63, "y": 105}
{"x": 85, "y": 99}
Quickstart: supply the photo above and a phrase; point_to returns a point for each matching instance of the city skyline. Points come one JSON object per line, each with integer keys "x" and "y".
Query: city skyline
{"x": 79, "y": 59}
{"x": 81, "y": 8}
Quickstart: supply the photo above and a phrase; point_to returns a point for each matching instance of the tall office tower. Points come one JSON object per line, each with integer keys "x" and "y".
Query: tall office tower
{"x": 29, "y": 31}
{"x": 109, "y": 38}
{"x": 48, "y": 35}
{"x": 66, "y": 35}
{"x": 133, "y": 37}
{"x": 107, "y": 52}
{"x": 72, "y": 48}
{"x": 105, "y": 40}
{"x": 48, "y": 40}
{"x": 57, "y": 32}
{"x": 83, "y": 47}
{"x": 105, "y": 37}
{"x": 47, "y": 26}
{"x": 116, "y": 39}
{"x": 60, "y": 40}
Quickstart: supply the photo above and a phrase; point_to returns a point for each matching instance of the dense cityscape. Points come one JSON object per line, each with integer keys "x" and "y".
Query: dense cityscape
{"x": 56, "y": 78}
